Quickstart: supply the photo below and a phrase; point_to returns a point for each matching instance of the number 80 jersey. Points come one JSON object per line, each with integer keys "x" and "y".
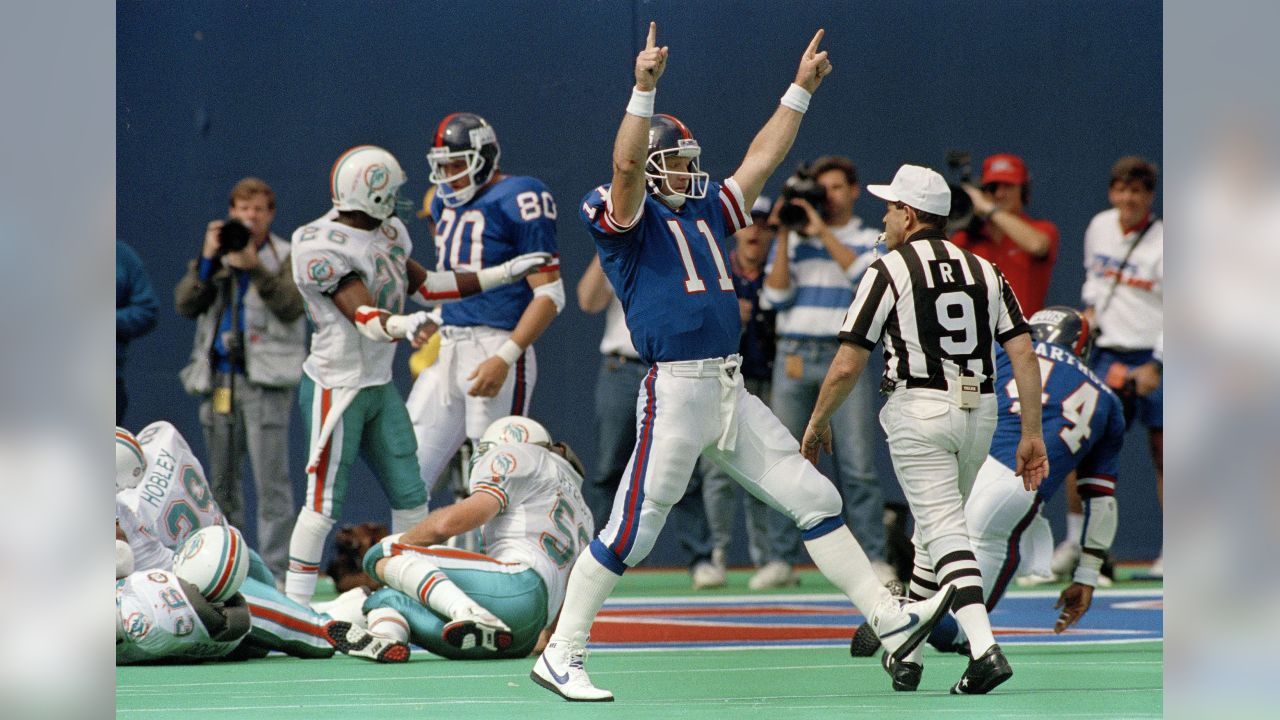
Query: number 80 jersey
{"x": 513, "y": 216}
{"x": 1082, "y": 420}
{"x": 324, "y": 253}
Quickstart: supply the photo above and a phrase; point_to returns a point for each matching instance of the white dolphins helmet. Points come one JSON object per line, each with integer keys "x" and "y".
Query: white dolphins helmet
{"x": 367, "y": 178}
{"x": 131, "y": 463}
{"x": 215, "y": 560}
{"x": 513, "y": 429}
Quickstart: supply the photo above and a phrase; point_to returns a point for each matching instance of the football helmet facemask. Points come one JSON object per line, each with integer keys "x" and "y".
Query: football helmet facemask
{"x": 468, "y": 137}
{"x": 1065, "y": 326}
{"x": 668, "y": 137}
{"x": 368, "y": 178}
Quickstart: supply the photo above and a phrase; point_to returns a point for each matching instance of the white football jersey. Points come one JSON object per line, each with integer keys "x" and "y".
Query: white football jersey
{"x": 544, "y": 522}
{"x": 324, "y": 253}
{"x": 172, "y": 501}
{"x": 154, "y": 620}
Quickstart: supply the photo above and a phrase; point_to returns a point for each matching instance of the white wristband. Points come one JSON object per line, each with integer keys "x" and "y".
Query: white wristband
{"x": 796, "y": 98}
{"x": 509, "y": 352}
{"x": 641, "y": 104}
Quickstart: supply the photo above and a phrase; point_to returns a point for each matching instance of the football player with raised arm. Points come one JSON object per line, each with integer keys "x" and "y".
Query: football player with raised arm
{"x": 353, "y": 268}
{"x": 526, "y": 497}
{"x": 660, "y": 229}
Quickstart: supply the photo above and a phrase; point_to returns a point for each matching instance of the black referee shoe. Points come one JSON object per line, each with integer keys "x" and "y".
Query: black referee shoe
{"x": 906, "y": 675}
{"x": 984, "y": 673}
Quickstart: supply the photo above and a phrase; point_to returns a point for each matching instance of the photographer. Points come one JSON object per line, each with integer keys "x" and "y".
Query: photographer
{"x": 246, "y": 360}
{"x": 1024, "y": 248}
{"x": 821, "y": 254}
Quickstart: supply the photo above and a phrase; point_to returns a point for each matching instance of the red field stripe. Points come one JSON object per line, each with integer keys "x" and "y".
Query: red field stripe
{"x": 642, "y": 632}
{"x": 705, "y": 610}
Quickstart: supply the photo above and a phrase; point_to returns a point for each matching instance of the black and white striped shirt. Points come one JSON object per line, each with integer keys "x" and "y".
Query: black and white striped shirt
{"x": 937, "y": 307}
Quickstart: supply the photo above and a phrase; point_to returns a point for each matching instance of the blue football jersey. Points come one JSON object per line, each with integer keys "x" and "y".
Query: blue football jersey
{"x": 1083, "y": 422}
{"x": 671, "y": 272}
{"x": 515, "y": 215}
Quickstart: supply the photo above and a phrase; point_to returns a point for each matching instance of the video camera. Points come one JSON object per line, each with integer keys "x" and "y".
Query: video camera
{"x": 233, "y": 236}
{"x": 803, "y": 186}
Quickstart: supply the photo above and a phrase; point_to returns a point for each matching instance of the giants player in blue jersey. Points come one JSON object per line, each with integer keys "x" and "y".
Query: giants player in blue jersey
{"x": 1084, "y": 428}
{"x": 482, "y": 217}
{"x": 660, "y": 229}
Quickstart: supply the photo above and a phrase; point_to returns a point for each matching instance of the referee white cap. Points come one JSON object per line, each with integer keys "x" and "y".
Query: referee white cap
{"x": 919, "y": 187}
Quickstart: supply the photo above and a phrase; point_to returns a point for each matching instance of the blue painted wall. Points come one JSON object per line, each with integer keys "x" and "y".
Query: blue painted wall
{"x": 210, "y": 92}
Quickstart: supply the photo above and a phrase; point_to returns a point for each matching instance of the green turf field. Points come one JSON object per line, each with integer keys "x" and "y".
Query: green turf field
{"x": 1070, "y": 681}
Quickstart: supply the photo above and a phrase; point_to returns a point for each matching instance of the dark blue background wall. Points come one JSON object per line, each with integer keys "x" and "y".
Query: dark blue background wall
{"x": 210, "y": 92}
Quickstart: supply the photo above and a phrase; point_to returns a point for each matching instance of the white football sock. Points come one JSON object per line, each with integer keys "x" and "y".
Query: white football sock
{"x": 590, "y": 584}
{"x": 306, "y": 547}
{"x": 839, "y": 556}
{"x": 977, "y": 626}
{"x": 388, "y": 623}
{"x": 419, "y": 578}
{"x": 1075, "y": 527}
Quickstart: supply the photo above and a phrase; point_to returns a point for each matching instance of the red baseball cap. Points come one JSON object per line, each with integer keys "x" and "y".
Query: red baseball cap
{"x": 1004, "y": 168}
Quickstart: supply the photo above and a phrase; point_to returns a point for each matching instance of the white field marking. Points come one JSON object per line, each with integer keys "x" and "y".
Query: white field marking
{"x": 1011, "y": 642}
{"x": 718, "y": 701}
{"x": 680, "y": 671}
{"x": 800, "y": 599}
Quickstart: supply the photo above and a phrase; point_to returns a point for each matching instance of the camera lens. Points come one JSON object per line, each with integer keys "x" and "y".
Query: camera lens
{"x": 233, "y": 236}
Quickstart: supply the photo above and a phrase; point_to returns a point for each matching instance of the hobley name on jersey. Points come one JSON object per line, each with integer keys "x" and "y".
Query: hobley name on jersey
{"x": 153, "y": 489}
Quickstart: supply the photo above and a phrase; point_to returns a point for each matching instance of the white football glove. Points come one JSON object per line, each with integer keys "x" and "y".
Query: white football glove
{"x": 517, "y": 268}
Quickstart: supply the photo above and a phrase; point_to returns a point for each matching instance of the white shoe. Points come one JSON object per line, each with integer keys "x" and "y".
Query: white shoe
{"x": 476, "y": 627}
{"x": 1035, "y": 579}
{"x": 901, "y": 627}
{"x": 707, "y": 575}
{"x": 884, "y": 571}
{"x": 358, "y": 642}
{"x": 1157, "y": 567}
{"x": 561, "y": 668}
{"x": 348, "y": 607}
{"x": 774, "y": 574}
{"x": 1065, "y": 557}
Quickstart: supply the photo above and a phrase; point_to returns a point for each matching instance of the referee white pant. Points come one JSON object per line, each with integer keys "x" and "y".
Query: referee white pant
{"x": 937, "y": 448}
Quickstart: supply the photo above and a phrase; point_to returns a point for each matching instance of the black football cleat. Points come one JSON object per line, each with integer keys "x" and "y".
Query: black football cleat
{"x": 906, "y": 675}
{"x": 984, "y": 673}
{"x": 865, "y": 642}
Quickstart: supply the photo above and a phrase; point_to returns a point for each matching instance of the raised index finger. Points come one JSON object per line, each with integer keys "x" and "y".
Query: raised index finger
{"x": 652, "y": 42}
{"x": 813, "y": 44}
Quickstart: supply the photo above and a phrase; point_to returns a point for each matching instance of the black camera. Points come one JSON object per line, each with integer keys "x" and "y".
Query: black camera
{"x": 233, "y": 236}
{"x": 801, "y": 185}
{"x": 961, "y": 216}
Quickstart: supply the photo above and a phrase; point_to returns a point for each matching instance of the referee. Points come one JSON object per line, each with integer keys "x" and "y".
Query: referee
{"x": 938, "y": 309}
